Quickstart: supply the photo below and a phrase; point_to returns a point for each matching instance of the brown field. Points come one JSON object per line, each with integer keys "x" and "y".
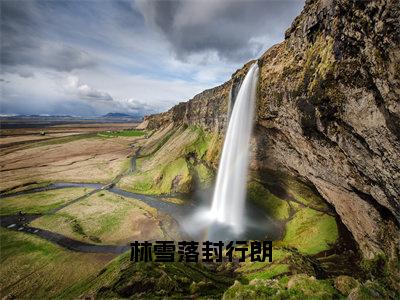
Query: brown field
{"x": 65, "y": 153}
{"x": 18, "y": 136}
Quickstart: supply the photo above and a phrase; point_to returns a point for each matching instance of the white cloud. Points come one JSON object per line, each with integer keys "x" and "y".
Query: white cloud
{"x": 84, "y": 91}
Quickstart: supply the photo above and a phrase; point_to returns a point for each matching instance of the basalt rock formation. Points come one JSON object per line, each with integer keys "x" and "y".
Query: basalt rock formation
{"x": 328, "y": 112}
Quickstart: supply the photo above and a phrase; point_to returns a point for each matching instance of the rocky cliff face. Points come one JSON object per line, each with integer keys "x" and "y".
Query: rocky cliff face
{"x": 328, "y": 112}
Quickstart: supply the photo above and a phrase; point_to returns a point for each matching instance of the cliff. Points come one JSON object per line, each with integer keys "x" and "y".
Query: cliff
{"x": 328, "y": 112}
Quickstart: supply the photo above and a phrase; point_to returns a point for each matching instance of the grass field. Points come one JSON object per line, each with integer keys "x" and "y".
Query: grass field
{"x": 124, "y": 133}
{"x": 104, "y": 218}
{"x": 32, "y": 268}
{"x": 40, "y": 202}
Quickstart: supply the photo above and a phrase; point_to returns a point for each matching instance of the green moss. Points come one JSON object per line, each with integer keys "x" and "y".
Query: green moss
{"x": 303, "y": 194}
{"x": 204, "y": 174}
{"x": 200, "y": 145}
{"x": 239, "y": 291}
{"x": 311, "y": 231}
{"x": 274, "y": 206}
{"x": 311, "y": 287}
{"x": 166, "y": 169}
{"x": 318, "y": 62}
{"x": 294, "y": 287}
{"x": 278, "y": 255}
{"x": 214, "y": 148}
{"x": 124, "y": 279}
{"x": 372, "y": 290}
{"x": 270, "y": 272}
{"x": 176, "y": 176}
{"x": 142, "y": 183}
{"x": 379, "y": 266}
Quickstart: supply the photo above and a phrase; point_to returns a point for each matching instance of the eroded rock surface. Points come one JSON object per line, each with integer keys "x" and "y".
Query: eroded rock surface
{"x": 328, "y": 111}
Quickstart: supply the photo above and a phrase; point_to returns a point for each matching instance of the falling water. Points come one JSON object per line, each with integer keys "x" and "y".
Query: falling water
{"x": 230, "y": 190}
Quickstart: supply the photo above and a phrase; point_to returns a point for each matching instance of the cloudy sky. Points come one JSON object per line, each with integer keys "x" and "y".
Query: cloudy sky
{"x": 94, "y": 57}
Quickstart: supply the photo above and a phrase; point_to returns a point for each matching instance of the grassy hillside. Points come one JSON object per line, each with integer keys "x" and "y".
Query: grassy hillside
{"x": 176, "y": 160}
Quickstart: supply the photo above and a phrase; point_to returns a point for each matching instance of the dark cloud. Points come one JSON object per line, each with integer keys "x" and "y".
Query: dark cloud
{"x": 25, "y": 40}
{"x": 235, "y": 30}
{"x": 94, "y": 57}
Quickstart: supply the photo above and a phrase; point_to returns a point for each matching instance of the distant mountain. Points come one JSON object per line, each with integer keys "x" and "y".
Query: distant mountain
{"x": 118, "y": 115}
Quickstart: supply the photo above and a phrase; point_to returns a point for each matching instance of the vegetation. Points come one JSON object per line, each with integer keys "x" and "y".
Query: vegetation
{"x": 40, "y": 202}
{"x": 104, "y": 218}
{"x": 283, "y": 288}
{"x": 269, "y": 272}
{"x": 274, "y": 206}
{"x": 171, "y": 164}
{"x": 204, "y": 174}
{"x": 304, "y": 194}
{"x": 124, "y": 279}
{"x": 123, "y": 133}
{"x": 32, "y": 268}
{"x": 311, "y": 231}
{"x": 59, "y": 140}
{"x": 24, "y": 187}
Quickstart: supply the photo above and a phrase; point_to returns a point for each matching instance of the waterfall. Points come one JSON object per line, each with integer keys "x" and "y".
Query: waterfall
{"x": 230, "y": 190}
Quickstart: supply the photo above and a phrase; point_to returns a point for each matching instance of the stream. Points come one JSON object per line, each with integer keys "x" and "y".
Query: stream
{"x": 261, "y": 226}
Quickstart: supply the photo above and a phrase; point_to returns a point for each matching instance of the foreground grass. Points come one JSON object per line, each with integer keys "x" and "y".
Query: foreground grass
{"x": 40, "y": 202}
{"x": 104, "y": 218}
{"x": 32, "y": 268}
{"x": 124, "y": 279}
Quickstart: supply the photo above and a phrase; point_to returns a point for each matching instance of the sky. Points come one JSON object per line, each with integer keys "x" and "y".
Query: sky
{"x": 89, "y": 58}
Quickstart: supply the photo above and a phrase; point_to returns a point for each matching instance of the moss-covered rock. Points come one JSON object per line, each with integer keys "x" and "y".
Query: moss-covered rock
{"x": 124, "y": 279}
{"x": 239, "y": 291}
{"x": 345, "y": 284}
{"x": 311, "y": 287}
{"x": 371, "y": 290}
